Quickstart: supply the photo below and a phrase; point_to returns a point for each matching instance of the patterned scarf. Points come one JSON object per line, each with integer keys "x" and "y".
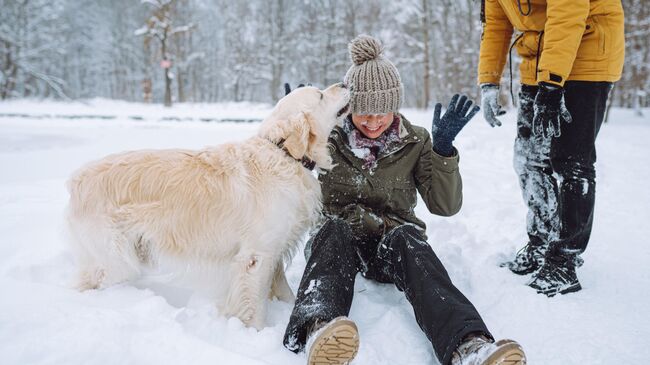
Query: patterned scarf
{"x": 369, "y": 149}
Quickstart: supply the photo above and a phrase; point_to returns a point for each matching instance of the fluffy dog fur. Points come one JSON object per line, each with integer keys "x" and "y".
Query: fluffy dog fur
{"x": 241, "y": 206}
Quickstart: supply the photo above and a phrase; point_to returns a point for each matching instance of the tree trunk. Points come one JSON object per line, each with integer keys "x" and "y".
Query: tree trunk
{"x": 179, "y": 85}
{"x": 168, "y": 88}
{"x": 168, "y": 79}
{"x": 426, "y": 96}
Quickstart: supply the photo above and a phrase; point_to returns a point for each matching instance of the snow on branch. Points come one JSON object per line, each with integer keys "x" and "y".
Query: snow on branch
{"x": 53, "y": 82}
{"x": 141, "y": 31}
{"x": 183, "y": 29}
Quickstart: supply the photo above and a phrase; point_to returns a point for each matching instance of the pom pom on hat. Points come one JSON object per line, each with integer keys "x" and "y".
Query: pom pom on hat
{"x": 376, "y": 85}
{"x": 364, "y": 48}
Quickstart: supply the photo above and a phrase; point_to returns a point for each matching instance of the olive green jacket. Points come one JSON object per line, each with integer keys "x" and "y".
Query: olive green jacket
{"x": 389, "y": 190}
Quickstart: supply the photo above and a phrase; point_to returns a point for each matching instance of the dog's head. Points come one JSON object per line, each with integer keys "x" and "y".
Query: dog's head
{"x": 304, "y": 119}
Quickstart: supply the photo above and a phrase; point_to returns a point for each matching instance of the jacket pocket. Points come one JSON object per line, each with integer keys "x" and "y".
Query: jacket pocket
{"x": 592, "y": 45}
{"x": 528, "y": 45}
{"x": 401, "y": 197}
{"x": 601, "y": 35}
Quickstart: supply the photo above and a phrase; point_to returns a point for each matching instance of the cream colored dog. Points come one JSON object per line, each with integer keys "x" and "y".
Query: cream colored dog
{"x": 242, "y": 206}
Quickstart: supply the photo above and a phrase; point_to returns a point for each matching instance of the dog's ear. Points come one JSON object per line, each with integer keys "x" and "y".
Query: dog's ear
{"x": 296, "y": 135}
{"x": 318, "y": 149}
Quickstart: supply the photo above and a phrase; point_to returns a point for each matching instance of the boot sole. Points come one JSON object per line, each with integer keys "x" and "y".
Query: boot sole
{"x": 524, "y": 272}
{"x": 508, "y": 352}
{"x": 337, "y": 344}
{"x": 521, "y": 272}
{"x": 570, "y": 289}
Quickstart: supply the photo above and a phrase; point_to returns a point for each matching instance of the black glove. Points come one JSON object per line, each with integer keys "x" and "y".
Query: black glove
{"x": 490, "y": 104}
{"x": 287, "y": 88}
{"x": 363, "y": 221}
{"x": 550, "y": 110}
{"x": 444, "y": 130}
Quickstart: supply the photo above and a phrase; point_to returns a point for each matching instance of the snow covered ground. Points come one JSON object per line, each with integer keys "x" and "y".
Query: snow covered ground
{"x": 44, "y": 321}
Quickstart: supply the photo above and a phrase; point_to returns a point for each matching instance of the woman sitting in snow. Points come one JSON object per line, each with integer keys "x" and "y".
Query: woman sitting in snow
{"x": 369, "y": 197}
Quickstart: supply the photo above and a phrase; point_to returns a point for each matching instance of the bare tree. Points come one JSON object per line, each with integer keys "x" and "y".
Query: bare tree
{"x": 223, "y": 50}
{"x": 29, "y": 52}
{"x": 160, "y": 26}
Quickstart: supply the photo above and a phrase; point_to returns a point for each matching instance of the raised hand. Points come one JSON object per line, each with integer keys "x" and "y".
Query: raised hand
{"x": 550, "y": 110}
{"x": 490, "y": 104}
{"x": 444, "y": 130}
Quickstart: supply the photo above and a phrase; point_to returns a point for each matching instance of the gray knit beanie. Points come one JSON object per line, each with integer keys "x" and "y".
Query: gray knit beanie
{"x": 376, "y": 85}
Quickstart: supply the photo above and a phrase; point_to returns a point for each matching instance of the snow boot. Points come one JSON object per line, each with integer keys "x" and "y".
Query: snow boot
{"x": 481, "y": 351}
{"x": 556, "y": 277}
{"x": 528, "y": 259}
{"x": 335, "y": 343}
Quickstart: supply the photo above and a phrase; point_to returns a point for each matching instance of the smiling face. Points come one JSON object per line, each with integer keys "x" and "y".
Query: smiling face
{"x": 372, "y": 125}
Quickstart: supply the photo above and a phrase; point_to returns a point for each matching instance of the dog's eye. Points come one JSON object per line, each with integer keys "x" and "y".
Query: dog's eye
{"x": 321, "y": 95}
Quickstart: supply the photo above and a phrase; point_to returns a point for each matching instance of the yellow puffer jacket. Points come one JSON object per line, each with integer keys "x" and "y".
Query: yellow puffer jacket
{"x": 580, "y": 40}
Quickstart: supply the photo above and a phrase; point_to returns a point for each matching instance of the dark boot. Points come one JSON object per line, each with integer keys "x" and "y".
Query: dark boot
{"x": 556, "y": 276}
{"x": 528, "y": 259}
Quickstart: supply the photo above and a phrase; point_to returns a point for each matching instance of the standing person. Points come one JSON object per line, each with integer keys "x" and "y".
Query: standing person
{"x": 381, "y": 162}
{"x": 572, "y": 51}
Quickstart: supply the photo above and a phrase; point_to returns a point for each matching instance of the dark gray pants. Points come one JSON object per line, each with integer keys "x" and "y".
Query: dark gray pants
{"x": 557, "y": 175}
{"x": 401, "y": 257}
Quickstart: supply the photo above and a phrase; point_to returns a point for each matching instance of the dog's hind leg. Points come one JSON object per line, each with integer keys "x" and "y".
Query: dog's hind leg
{"x": 125, "y": 249}
{"x": 252, "y": 274}
{"x": 280, "y": 287}
{"x": 122, "y": 263}
{"x": 107, "y": 252}
{"x": 83, "y": 236}
{"x": 113, "y": 264}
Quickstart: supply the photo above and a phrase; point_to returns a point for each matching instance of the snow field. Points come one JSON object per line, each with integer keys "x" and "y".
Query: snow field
{"x": 44, "y": 321}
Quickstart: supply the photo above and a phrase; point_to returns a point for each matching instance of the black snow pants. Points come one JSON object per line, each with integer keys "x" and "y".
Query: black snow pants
{"x": 401, "y": 257}
{"x": 557, "y": 175}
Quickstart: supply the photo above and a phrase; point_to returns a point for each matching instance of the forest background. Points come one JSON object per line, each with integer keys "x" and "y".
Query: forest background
{"x": 166, "y": 51}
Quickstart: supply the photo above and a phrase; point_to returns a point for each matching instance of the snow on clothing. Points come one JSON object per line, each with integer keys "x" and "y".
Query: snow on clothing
{"x": 395, "y": 253}
{"x": 369, "y": 149}
{"x": 577, "y": 45}
{"x": 561, "y": 209}
{"x": 402, "y": 257}
{"x": 560, "y": 40}
{"x": 390, "y": 189}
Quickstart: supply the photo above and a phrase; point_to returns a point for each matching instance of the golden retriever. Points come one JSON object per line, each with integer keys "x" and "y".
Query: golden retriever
{"x": 241, "y": 206}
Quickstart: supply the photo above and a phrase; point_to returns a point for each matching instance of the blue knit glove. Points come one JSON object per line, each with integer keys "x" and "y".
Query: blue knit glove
{"x": 444, "y": 130}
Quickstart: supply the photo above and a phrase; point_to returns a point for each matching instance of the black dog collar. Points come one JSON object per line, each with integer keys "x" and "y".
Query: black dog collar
{"x": 307, "y": 162}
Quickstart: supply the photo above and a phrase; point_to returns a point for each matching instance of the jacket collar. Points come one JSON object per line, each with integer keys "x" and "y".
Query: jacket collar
{"x": 339, "y": 138}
